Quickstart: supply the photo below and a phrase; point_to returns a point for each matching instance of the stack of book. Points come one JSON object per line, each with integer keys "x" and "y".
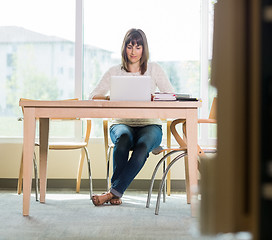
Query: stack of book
{"x": 158, "y": 96}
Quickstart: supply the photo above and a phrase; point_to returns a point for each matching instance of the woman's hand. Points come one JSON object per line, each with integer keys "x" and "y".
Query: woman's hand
{"x": 101, "y": 97}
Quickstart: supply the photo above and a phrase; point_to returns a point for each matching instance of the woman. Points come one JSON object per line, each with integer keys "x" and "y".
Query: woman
{"x": 139, "y": 135}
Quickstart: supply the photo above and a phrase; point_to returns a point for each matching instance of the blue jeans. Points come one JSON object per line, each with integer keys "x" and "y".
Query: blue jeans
{"x": 141, "y": 140}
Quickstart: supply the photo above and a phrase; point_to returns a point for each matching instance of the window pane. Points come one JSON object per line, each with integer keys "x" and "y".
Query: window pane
{"x": 36, "y": 58}
{"x": 172, "y": 28}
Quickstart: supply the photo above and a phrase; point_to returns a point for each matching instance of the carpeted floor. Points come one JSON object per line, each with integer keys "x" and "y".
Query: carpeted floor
{"x": 67, "y": 215}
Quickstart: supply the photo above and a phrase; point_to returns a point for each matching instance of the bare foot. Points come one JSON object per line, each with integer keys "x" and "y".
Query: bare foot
{"x": 99, "y": 200}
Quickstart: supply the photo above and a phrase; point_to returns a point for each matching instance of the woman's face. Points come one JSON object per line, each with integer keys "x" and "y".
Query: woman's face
{"x": 134, "y": 52}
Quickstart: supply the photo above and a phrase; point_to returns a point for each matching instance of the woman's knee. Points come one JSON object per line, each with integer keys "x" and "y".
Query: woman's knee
{"x": 124, "y": 141}
{"x": 120, "y": 133}
{"x": 148, "y": 143}
{"x": 151, "y": 135}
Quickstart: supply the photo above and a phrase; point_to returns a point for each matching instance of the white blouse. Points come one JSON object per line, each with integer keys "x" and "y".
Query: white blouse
{"x": 159, "y": 81}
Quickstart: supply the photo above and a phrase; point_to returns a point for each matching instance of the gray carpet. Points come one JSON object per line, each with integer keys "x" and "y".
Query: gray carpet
{"x": 67, "y": 215}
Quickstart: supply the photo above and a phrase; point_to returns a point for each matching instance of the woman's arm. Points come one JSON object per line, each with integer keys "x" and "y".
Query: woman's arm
{"x": 161, "y": 79}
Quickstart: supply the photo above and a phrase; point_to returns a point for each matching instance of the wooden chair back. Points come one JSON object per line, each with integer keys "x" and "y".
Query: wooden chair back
{"x": 212, "y": 114}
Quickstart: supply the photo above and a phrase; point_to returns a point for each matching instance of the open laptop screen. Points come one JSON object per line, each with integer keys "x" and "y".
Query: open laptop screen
{"x": 130, "y": 88}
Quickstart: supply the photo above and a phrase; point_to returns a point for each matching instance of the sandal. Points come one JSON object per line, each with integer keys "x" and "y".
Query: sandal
{"x": 116, "y": 201}
{"x": 99, "y": 200}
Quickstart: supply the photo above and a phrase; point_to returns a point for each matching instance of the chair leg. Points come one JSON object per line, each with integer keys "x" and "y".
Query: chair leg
{"x": 163, "y": 180}
{"x": 89, "y": 171}
{"x": 36, "y": 177}
{"x": 154, "y": 174}
{"x": 20, "y": 178}
{"x": 164, "y": 186}
{"x": 79, "y": 170}
{"x": 108, "y": 167}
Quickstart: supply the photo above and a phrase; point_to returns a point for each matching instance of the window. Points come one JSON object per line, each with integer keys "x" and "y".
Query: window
{"x": 39, "y": 56}
{"x": 207, "y": 133}
{"x": 173, "y": 30}
{"x": 173, "y": 42}
{"x": 36, "y": 38}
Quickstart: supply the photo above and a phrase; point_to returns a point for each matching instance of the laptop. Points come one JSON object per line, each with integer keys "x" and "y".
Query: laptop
{"x": 130, "y": 88}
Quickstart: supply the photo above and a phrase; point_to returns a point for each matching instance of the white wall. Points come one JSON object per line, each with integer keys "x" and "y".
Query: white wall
{"x": 63, "y": 164}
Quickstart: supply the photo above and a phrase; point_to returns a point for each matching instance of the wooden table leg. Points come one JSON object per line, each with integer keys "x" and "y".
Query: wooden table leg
{"x": 192, "y": 158}
{"x": 44, "y": 136}
{"x": 28, "y": 152}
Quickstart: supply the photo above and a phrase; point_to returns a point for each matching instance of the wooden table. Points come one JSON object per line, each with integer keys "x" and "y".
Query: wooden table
{"x": 44, "y": 110}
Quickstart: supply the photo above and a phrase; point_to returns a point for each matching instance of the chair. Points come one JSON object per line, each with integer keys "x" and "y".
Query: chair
{"x": 63, "y": 146}
{"x": 211, "y": 120}
{"x": 109, "y": 147}
{"x": 182, "y": 147}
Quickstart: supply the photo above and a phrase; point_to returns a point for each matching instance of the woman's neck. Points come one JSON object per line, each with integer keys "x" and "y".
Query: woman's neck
{"x": 134, "y": 67}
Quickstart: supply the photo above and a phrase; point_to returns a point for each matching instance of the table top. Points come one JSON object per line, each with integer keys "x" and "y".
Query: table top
{"x": 110, "y": 104}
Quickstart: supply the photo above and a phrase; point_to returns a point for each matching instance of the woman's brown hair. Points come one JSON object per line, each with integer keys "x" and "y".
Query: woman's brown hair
{"x": 135, "y": 37}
